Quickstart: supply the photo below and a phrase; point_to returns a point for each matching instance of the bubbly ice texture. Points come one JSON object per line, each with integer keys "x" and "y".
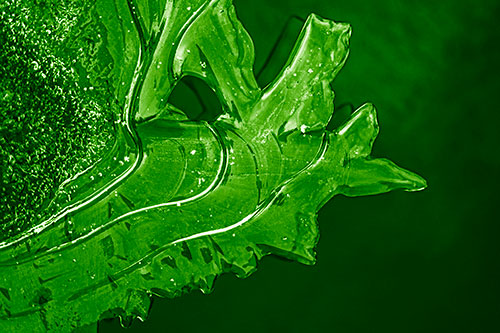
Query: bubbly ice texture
{"x": 53, "y": 122}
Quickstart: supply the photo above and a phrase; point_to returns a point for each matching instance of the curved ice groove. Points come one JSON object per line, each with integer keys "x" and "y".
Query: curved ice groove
{"x": 71, "y": 179}
{"x": 81, "y": 204}
{"x": 265, "y": 205}
{"x": 260, "y": 209}
{"x": 184, "y": 169}
{"x": 39, "y": 228}
{"x": 218, "y": 179}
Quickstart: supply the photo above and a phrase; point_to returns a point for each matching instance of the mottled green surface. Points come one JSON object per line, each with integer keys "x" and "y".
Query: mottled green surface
{"x": 176, "y": 202}
{"x": 51, "y": 125}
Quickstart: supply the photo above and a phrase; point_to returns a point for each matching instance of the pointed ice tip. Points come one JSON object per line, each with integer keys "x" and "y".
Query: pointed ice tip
{"x": 416, "y": 183}
{"x": 341, "y": 28}
{"x": 412, "y": 182}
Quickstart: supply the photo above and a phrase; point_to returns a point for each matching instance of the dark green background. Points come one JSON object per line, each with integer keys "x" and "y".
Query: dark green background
{"x": 400, "y": 262}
